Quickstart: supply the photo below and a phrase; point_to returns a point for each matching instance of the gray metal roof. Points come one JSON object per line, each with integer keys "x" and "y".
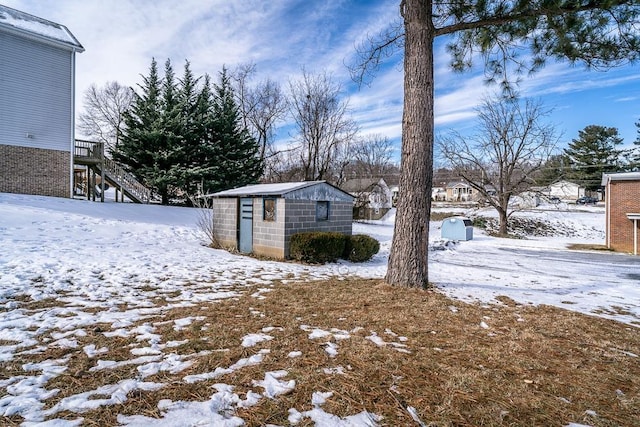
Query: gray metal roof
{"x": 32, "y": 26}
{"x": 622, "y": 176}
{"x": 278, "y": 189}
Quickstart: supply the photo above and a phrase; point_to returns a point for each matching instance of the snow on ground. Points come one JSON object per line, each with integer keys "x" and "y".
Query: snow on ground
{"x": 98, "y": 259}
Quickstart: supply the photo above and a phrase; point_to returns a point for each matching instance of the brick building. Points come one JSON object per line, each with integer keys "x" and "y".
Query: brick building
{"x": 261, "y": 219}
{"x": 622, "y": 199}
{"x": 37, "y": 106}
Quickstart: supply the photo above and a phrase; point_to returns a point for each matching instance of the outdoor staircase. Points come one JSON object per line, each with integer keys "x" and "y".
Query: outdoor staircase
{"x": 92, "y": 156}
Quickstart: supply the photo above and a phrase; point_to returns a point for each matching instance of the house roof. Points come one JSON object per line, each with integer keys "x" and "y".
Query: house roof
{"x": 622, "y": 176}
{"x": 564, "y": 183}
{"x": 457, "y": 184}
{"x": 31, "y": 26}
{"x": 277, "y": 189}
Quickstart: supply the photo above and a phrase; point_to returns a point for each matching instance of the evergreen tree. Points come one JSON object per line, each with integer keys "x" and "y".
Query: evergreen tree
{"x": 237, "y": 151}
{"x": 192, "y": 131}
{"x": 166, "y": 158}
{"x": 143, "y": 124}
{"x": 208, "y": 153}
{"x": 181, "y": 139}
{"x": 593, "y": 153}
{"x": 554, "y": 170}
{"x": 635, "y": 152}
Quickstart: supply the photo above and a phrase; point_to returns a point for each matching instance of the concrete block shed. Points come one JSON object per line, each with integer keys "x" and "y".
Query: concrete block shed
{"x": 261, "y": 218}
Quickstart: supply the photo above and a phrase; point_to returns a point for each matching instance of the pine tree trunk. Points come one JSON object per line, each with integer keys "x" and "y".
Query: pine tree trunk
{"x": 408, "y": 264}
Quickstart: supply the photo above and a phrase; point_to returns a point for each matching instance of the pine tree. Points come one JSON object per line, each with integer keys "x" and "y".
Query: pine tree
{"x": 592, "y": 154}
{"x": 238, "y": 152}
{"x": 634, "y": 164}
{"x": 206, "y": 155}
{"x": 192, "y": 134}
{"x": 554, "y": 170}
{"x": 143, "y": 124}
{"x": 507, "y": 36}
{"x": 166, "y": 157}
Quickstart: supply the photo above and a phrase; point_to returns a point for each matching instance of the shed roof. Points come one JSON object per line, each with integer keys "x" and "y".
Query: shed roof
{"x": 622, "y": 176}
{"x": 277, "y": 189}
{"x": 34, "y": 27}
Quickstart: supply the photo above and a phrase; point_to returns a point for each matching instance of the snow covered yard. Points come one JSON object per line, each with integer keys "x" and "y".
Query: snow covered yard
{"x": 118, "y": 314}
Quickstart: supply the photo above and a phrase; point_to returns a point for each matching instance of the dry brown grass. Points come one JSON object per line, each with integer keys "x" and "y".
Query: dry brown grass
{"x": 533, "y": 366}
{"x": 588, "y": 247}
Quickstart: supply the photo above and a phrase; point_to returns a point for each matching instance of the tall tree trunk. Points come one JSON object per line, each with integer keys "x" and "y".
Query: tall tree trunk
{"x": 503, "y": 222}
{"x": 408, "y": 264}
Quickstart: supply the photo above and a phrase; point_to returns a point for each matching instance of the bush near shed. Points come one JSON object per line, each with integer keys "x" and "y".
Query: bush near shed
{"x": 325, "y": 246}
{"x": 317, "y": 246}
{"x": 360, "y": 248}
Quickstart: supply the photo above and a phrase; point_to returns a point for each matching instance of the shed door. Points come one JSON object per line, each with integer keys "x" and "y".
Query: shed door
{"x": 246, "y": 226}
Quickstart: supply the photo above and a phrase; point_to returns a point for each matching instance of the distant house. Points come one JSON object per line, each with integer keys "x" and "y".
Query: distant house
{"x": 459, "y": 192}
{"x": 261, "y": 219}
{"x": 622, "y": 214}
{"x": 373, "y": 198}
{"x": 438, "y": 194}
{"x": 37, "y": 88}
{"x": 565, "y": 190}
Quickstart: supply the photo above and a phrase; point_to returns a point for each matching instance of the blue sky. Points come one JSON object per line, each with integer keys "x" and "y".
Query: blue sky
{"x": 282, "y": 36}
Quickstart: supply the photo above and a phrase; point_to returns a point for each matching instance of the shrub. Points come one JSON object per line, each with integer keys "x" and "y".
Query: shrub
{"x": 360, "y": 248}
{"x": 317, "y": 246}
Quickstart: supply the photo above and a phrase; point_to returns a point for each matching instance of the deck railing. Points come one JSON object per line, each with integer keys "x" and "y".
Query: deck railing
{"x": 92, "y": 153}
{"x": 127, "y": 181}
{"x": 89, "y": 149}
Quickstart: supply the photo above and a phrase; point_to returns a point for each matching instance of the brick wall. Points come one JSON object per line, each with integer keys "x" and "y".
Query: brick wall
{"x": 36, "y": 171}
{"x": 623, "y": 198}
{"x": 225, "y": 222}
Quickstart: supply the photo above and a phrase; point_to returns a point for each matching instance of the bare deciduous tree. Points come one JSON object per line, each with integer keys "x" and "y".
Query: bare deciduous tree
{"x": 103, "y": 115}
{"x": 500, "y": 160}
{"x": 323, "y": 124}
{"x": 373, "y": 156}
{"x": 262, "y": 107}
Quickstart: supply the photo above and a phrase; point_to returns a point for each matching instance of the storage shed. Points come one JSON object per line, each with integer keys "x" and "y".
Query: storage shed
{"x": 261, "y": 218}
{"x": 457, "y": 228}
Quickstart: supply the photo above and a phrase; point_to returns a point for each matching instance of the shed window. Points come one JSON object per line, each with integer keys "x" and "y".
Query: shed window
{"x": 322, "y": 211}
{"x": 269, "y": 209}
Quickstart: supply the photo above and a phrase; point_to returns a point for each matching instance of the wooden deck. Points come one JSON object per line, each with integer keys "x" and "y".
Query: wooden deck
{"x": 91, "y": 154}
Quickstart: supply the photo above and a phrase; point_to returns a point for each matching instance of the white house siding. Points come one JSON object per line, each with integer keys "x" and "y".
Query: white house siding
{"x": 566, "y": 190}
{"x": 35, "y": 94}
{"x": 36, "y": 107}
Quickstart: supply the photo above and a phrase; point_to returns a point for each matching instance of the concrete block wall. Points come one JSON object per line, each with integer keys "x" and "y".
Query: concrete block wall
{"x": 225, "y": 222}
{"x": 268, "y": 236}
{"x": 37, "y": 171}
{"x": 301, "y": 217}
{"x": 624, "y": 198}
